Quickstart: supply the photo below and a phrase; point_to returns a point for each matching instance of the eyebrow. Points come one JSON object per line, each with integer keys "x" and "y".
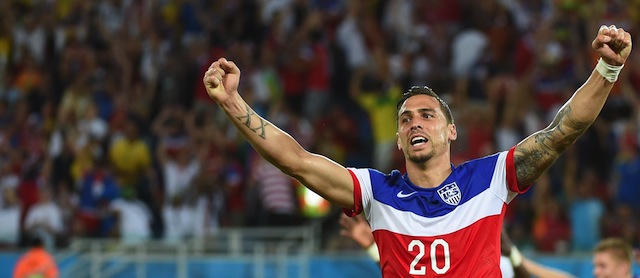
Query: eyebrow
{"x": 419, "y": 110}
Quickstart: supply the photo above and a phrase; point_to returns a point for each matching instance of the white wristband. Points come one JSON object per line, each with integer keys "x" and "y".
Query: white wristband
{"x": 372, "y": 251}
{"x": 515, "y": 257}
{"x": 607, "y": 71}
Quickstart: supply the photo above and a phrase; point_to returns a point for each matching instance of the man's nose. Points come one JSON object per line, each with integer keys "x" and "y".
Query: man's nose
{"x": 416, "y": 125}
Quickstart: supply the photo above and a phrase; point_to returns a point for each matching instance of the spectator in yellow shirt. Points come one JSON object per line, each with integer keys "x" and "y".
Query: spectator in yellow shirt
{"x": 130, "y": 155}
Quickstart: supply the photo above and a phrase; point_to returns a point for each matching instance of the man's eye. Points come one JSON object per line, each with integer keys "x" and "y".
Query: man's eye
{"x": 405, "y": 120}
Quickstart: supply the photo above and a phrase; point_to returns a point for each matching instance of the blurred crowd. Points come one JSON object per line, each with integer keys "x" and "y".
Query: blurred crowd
{"x": 106, "y": 130}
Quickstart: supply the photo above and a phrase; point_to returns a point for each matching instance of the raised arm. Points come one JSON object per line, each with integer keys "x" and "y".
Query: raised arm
{"x": 320, "y": 174}
{"x": 537, "y": 152}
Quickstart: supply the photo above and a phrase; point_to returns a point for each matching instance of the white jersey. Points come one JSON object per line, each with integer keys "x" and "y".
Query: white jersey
{"x": 452, "y": 230}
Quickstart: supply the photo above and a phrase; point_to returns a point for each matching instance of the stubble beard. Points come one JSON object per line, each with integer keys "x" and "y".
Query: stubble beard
{"x": 421, "y": 158}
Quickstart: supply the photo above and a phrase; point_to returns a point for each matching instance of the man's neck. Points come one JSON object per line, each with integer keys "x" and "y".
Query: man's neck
{"x": 429, "y": 174}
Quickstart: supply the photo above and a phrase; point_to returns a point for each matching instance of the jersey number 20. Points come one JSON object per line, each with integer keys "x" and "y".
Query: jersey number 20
{"x": 422, "y": 270}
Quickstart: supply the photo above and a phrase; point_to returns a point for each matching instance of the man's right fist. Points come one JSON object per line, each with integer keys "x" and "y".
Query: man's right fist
{"x": 221, "y": 80}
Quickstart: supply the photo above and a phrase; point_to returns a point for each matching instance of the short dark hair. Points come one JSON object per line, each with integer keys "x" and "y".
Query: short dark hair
{"x": 424, "y": 90}
{"x": 34, "y": 240}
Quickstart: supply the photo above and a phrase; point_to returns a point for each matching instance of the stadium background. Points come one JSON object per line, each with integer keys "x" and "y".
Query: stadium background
{"x": 111, "y": 151}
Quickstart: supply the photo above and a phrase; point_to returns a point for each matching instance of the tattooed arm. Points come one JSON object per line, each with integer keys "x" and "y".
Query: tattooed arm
{"x": 536, "y": 153}
{"x": 320, "y": 174}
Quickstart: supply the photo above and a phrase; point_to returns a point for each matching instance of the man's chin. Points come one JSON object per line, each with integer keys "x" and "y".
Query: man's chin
{"x": 420, "y": 158}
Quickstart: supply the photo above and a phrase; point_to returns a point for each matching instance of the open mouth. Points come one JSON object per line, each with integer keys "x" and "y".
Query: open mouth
{"x": 418, "y": 140}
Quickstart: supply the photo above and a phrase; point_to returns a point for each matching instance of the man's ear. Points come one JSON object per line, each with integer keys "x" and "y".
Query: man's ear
{"x": 453, "y": 132}
{"x": 398, "y": 142}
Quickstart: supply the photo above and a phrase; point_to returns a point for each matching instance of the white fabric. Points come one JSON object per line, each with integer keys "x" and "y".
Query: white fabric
{"x": 398, "y": 16}
{"x": 500, "y": 179}
{"x": 193, "y": 220}
{"x": 153, "y": 58}
{"x": 506, "y": 267}
{"x": 609, "y": 72}
{"x": 271, "y": 7}
{"x": 135, "y": 219}
{"x": 351, "y": 40}
{"x": 178, "y": 222}
{"x": 506, "y": 137}
{"x": 112, "y": 17}
{"x": 10, "y": 228}
{"x": 33, "y": 40}
{"x": 467, "y": 47}
{"x": 177, "y": 179}
{"x": 373, "y": 252}
{"x": 47, "y": 214}
{"x": 276, "y": 191}
{"x": 407, "y": 223}
{"x": 9, "y": 181}
{"x": 56, "y": 143}
{"x": 95, "y": 127}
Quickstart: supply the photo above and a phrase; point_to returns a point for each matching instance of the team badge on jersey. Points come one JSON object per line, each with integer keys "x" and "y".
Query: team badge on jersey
{"x": 450, "y": 194}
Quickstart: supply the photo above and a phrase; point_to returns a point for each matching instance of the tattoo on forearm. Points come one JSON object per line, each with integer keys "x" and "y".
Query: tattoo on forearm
{"x": 246, "y": 120}
{"x": 563, "y": 131}
{"x": 549, "y": 143}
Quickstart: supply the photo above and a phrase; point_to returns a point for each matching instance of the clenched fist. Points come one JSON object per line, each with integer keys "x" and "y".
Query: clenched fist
{"x": 221, "y": 80}
{"x": 612, "y": 44}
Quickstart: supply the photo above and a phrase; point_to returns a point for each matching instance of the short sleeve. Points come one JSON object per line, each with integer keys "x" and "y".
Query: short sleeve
{"x": 362, "y": 193}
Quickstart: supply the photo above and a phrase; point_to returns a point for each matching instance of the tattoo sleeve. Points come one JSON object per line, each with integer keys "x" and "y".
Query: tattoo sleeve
{"x": 259, "y": 127}
{"x": 541, "y": 149}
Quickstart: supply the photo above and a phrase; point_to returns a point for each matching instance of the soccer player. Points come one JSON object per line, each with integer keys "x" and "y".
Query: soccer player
{"x": 357, "y": 229}
{"x": 437, "y": 219}
{"x": 612, "y": 257}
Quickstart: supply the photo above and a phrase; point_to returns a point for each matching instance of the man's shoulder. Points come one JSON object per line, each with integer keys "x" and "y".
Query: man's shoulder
{"x": 378, "y": 177}
{"x": 375, "y": 173}
{"x": 491, "y": 158}
{"x": 482, "y": 164}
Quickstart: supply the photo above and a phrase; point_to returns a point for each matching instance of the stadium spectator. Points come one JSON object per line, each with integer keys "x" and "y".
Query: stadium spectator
{"x": 613, "y": 257}
{"x": 132, "y": 218}
{"x": 277, "y": 194}
{"x": 551, "y": 229}
{"x": 181, "y": 164}
{"x": 626, "y": 168}
{"x": 130, "y": 155}
{"x": 586, "y": 210}
{"x": 44, "y": 220}
{"x": 376, "y": 93}
{"x": 9, "y": 216}
{"x": 97, "y": 189}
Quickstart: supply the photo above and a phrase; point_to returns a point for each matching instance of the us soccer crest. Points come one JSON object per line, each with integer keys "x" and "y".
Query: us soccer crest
{"x": 450, "y": 194}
